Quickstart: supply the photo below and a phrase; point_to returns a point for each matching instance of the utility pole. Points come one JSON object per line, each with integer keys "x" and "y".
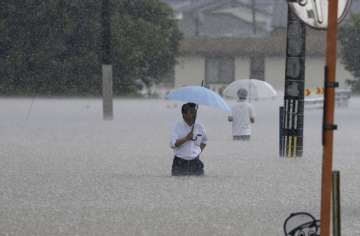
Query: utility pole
{"x": 292, "y": 122}
{"x": 253, "y": 11}
{"x": 107, "y": 79}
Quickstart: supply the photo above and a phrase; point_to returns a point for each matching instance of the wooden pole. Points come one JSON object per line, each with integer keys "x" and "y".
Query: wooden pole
{"x": 328, "y": 126}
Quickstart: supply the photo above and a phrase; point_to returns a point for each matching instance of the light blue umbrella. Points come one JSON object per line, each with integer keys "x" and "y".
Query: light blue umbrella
{"x": 199, "y": 95}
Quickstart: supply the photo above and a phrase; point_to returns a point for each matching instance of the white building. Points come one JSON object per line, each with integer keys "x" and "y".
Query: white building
{"x": 226, "y": 40}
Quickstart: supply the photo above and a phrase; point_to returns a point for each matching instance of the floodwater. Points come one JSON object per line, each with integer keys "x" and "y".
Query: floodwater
{"x": 66, "y": 171}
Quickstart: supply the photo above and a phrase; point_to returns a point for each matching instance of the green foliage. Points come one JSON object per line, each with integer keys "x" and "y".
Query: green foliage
{"x": 145, "y": 40}
{"x": 54, "y": 47}
{"x": 349, "y": 36}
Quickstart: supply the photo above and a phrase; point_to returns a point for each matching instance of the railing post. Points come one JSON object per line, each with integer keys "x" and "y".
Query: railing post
{"x": 336, "y": 203}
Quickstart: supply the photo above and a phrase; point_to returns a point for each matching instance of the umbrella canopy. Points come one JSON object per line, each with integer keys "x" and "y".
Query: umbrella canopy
{"x": 199, "y": 95}
{"x": 257, "y": 89}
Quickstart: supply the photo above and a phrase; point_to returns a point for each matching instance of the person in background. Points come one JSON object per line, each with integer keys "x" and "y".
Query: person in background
{"x": 188, "y": 140}
{"x": 243, "y": 115}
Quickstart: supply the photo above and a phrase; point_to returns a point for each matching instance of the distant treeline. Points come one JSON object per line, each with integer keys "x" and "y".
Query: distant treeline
{"x": 54, "y": 47}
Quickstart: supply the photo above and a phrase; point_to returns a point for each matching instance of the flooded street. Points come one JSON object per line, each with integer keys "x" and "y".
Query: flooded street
{"x": 65, "y": 171}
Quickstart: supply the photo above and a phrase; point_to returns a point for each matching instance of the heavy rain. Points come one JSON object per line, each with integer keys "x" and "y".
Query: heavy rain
{"x": 89, "y": 98}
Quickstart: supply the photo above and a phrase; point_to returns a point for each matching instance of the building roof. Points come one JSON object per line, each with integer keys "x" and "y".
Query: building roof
{"x": 267, "y": 7}
{"x": 275, "y": 45}
{"x": 277, "y": 8}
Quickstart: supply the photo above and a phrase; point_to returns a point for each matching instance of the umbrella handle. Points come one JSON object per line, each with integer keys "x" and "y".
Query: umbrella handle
{"x": 192, "y": 128}
{"x": 196, "y": 108}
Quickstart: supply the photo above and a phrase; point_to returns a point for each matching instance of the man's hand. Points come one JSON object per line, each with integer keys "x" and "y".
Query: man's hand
{"x": 183, "y": 140}
{"x": 202, "y": 146}
{"x": 190, "y": 135}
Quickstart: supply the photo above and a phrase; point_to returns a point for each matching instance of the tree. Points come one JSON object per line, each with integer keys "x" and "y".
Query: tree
{"x": 50, "y": 47}
{"x": 145, "y": 41}
{"x": 54, "y": 47}
{"x": 349, "y": 35}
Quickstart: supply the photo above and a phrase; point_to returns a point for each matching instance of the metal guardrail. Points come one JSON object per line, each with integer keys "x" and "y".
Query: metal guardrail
{"x": 342, "y": 97}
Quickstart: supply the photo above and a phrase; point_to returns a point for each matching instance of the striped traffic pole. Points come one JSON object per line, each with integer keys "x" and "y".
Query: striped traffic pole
{"x": 293, "y": 116}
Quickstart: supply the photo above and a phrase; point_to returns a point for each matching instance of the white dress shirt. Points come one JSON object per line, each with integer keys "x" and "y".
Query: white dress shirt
{"x": 190, "y": 149}
{"x": 241, "y": 114}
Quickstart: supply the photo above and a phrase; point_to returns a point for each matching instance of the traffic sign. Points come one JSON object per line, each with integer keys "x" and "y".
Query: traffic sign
{"x": 315, "y": 12}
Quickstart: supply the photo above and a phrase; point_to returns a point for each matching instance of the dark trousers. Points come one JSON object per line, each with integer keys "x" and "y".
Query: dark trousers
{"x": 187, "y": 167}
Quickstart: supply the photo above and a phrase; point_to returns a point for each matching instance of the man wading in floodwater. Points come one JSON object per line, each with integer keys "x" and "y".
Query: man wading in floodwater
{"x": 188, "y": 140}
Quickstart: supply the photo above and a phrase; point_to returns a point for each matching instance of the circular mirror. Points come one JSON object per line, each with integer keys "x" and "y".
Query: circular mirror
{"x": 315, "y": 12}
